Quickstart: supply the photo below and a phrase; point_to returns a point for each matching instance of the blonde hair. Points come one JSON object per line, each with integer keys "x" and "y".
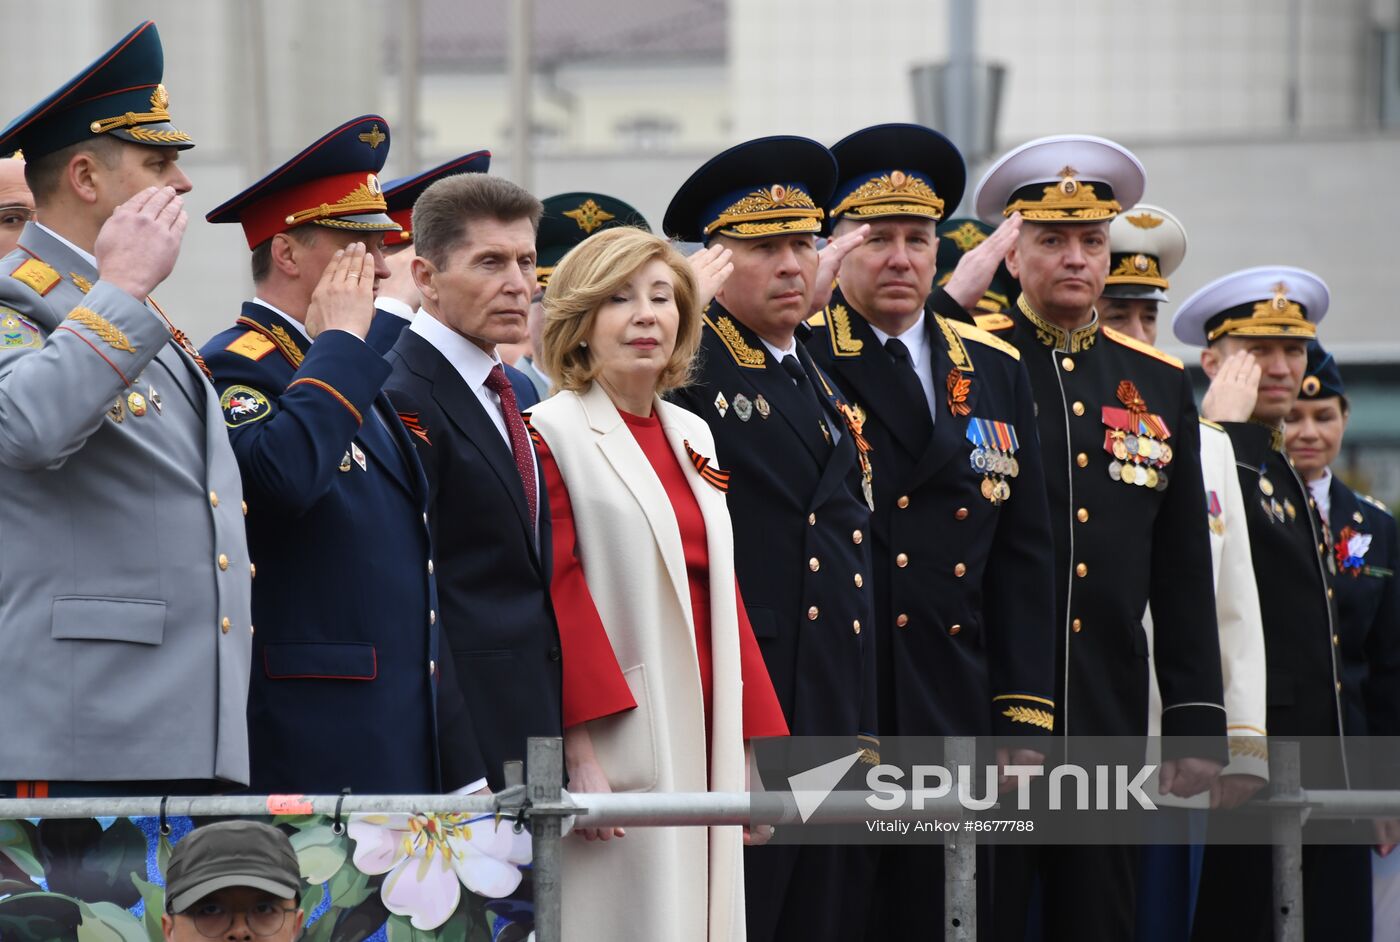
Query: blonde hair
{"x": 585, "y": 278}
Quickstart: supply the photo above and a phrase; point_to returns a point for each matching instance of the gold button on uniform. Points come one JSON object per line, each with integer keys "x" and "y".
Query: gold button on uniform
{"x": 432, "y": 668}
{"x": 902, "y": 620}
{"x": 855, "y": 626}
{"x": 961, "y": 513}
{"x": 1078, "y": 408}
{"x": 252, "y": 571}
{"x": 1336, "y": 641}
{"x": 225, "y": 624}
{"x": 1329, "y": 593}
{"x": 1082, "y": 460}
{"x": 1339, "y": 686}
{"x": 223, "y": 562}
{"x": 1082, "y": 516}
{"x": 902, "y": 502}
{"x": 1076, "y": 625}
{"x": 955, "y": 629}
{"x": 959, "y": 570}
{"x": 860, "y": 580}
{"x": 1081, "y": 570}
{"x": 213, "y": 499}
{"x": 812, "y": 613}
{"x": 811, "y": 520}
{"x": 814, "y": 564}
{"x": 1068, "y": 364}
{"x": 857, "y": 536}
{"x": 901, "y": 560}
{"x": 244, "y": 504}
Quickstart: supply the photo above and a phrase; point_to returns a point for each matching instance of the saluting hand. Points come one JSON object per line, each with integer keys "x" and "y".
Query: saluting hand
{"x": 712, "y": 267}
{"x": 137, "y": 246}
{"x": 978, "y": 267}
{"x": 1234, "y": 390}
{"x": 344, "y": 297}
{"x": 829, "y": 265}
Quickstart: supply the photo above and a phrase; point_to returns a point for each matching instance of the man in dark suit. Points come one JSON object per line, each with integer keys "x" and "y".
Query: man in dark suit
{"x": 1255, "y": 325}
{"x": 344, "y": 688}
{"x": 475, "y": 268}
{"x": 964, "y": 597}
{"x": 1120, "y": 441}
{"x": 800, "y": 478}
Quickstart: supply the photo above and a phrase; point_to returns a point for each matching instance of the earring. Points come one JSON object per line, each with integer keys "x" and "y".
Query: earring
{"x": 583, "y": 344}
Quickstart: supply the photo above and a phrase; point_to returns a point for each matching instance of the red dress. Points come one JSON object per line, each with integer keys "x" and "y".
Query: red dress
{"x": 593, "y": 683}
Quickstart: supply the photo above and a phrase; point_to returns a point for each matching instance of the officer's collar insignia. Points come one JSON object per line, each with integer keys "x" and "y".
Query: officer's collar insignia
{"x": 243, "y": 405}
{"x": 773, "y": 210}
{"x": 83, "y": 284}
{"x": 1070, "y": 199}
{"x": 373, "y": 137}
{"x": 1351, "y": 549}
{"x": 1276, "y": 316}
{"x": 896, "y": 193}
{"x": 288, "y": 347}
{"x": 958, "y": 388}
{"x": 1275, "y": 433}
{"x": 1136, "y": 439}
{"x": 967, "y": 236}
{"x": 589, "y": 215}
{"x": 732, "y": 337}
{"x": 843, "y": 341}
{"x": 957, "y": 351}
{"x": 993, "y": 455}
{"x": 1056, "y": 337}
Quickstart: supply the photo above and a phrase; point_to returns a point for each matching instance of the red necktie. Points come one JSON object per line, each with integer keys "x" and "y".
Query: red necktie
{"x": 519, "y": 438}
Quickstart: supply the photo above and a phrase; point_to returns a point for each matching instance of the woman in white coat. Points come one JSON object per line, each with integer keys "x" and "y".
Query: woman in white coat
{"x": 663, "y": 680}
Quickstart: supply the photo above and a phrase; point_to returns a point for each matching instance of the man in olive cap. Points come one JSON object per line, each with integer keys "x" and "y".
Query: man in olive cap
{"x": 233, "y": 880}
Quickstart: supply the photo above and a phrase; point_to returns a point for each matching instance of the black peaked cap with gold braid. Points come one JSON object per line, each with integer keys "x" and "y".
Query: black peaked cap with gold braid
{"x": 896, "y": 170}
{"x": 770, "y": 186}
{"x": 569, "y": 218}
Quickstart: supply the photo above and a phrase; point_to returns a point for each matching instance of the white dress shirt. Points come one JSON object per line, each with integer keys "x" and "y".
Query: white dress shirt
{"x": 915, "y": 340}
{"x": 1322, "y": 493}
{"x": 395, "y": 306}
{"x": 833, "y": 427}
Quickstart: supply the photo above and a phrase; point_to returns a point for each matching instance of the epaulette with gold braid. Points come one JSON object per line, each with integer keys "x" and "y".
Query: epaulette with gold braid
{"x": 1133, "y": 343}
{"x": 38, "y": 276}
{"x": 979, "y": 334}
{"x": 280, "y": 338}
{"x": 994, "y": 322}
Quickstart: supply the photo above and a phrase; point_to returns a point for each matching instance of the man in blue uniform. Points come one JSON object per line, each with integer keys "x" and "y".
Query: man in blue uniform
{"x": 1255, "y": 325}
{"x": 346, "y": 653}
{"x": 800, "y": 481}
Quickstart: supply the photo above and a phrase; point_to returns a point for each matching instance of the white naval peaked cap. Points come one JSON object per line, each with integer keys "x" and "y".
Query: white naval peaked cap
{"x": 1064, "y": 178}
{"x": 1269, "y": 301}
{"x": 1146, "y": 245}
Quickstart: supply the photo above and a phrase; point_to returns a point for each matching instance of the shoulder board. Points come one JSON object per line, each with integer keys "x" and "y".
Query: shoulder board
{"x": 994, "y": 322}
{"x": 1215, "y": 425}
{"x": 38, "y": 276}
{"x": 1379, "y": 505}
{"x": 817, "y": 320}
{"x": 728, "y": 333}
{"x": 252, "y": 345}
{"x": 979, "y": 334}
{"x": 1135, "y": 344}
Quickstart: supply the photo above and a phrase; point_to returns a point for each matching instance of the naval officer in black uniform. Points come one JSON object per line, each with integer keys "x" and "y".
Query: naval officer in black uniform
{"x": 1120, "y": 440}
{"x": 800, "y": 483}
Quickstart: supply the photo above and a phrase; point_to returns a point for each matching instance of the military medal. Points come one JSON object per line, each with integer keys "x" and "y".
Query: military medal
{"x": 1289, "y": 509}
{"x": 1266, "y": 487}
{"x": 721, "y": 404}
{"x": 994, "y": 446}
{"x": 988, "y": 489}
{"x": 761, "y": 405}
{"x": 136, "y": 403}
{"x": 1136, "y": 439}
{"x": 743, "y": 408}
{"x": 1213, "y": 508}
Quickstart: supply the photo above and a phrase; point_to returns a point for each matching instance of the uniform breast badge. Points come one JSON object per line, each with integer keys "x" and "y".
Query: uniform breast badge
{"x": 1213, "y": 508}
{"x": 762, "y": 405}
{"x": 721, "y": 404}
{"x": 136, "y": 403}
{"x": 345, "y": 463}
{"x": 994, "y": 447}
{"x": 855, "y": 424}
{"x": 1137, "y": 441}
{"x": 358, "y": 454}
{"x": 117, "y": 413}
{"x": 958, "y": 388}
{"x": 1351, "y": 550}
{"x": 743, "y": 407}
{"x": 153, "y": 397}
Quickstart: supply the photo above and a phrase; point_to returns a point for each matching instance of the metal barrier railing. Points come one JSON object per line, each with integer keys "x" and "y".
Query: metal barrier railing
{"x": 542, "y": 802}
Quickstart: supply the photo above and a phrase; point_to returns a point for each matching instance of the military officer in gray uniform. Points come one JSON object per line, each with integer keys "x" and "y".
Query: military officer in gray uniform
{"x": 124, "y": 571}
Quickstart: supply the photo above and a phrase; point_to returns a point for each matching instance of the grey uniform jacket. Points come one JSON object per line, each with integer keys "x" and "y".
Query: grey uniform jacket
{"x": 124, "y": 571}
